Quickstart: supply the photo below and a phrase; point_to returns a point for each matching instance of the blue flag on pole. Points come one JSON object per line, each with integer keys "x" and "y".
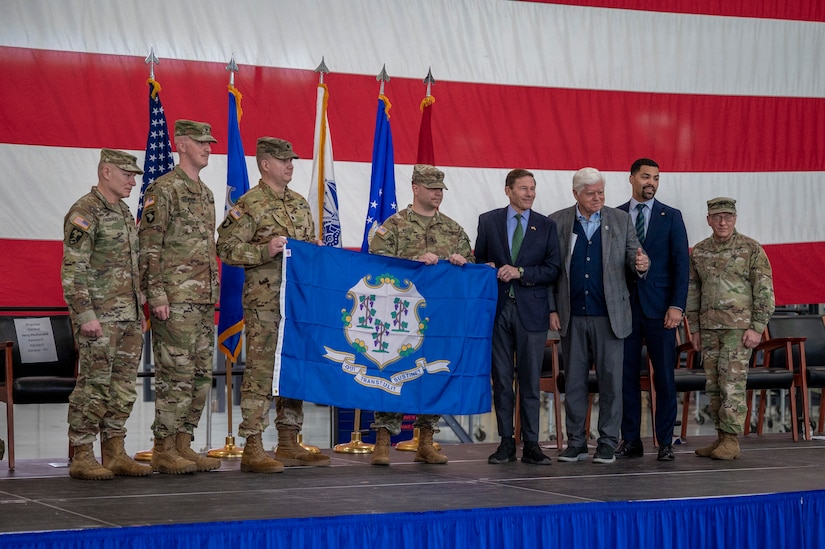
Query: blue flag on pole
{"x": 376, "y": 332}
{"x": 158, "y": 159}
{"x": 230, "y": 321}
{"x": 382, "y": 179}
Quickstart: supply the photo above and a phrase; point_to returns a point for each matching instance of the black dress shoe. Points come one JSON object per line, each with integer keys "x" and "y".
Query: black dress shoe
{"x": 506, "y": 452}
{"x": 633, "y": 449}
{"x": 665, "y": 453}
{"x": 533, "y": 455}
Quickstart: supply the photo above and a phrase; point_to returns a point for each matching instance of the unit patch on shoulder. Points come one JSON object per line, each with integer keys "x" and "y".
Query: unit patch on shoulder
{"x": 75, "y": 237}
{"x": 149, "y": 215}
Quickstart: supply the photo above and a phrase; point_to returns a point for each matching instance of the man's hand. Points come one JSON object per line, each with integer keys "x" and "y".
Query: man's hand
{"x": 161, "y": 312}
{"x": 642, "y": 261}
{"x": 458, "y": 260}
{"x": 508, "y": 273}
{"x": 91, "y": 329}
{"x": 428, "y": 258}
{"x": 555, "y": 322}
{"x": 751, "y": 338}
{"x": 673, "y": 317}
{"x": 277, "y": 245}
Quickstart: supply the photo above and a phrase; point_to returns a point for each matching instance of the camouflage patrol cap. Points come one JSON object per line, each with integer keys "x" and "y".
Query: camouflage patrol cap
{"x": 199, "y": 131}
{"x": 278, "y": 148}
{"x": 122, "y": 160}
{"x": 721, "y": 205}
{"x": 428, "y": 176}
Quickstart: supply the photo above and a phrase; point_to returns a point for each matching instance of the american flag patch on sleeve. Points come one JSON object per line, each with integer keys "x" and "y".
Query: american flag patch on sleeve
{"x": 81, "y": 222}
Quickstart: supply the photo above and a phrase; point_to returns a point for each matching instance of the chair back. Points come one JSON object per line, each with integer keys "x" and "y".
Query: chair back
{"x": 812, "y": 328}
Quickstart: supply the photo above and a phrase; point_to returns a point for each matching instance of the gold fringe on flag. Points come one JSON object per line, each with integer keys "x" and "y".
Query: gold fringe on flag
{"x": 426, "y": 102}
{"x": 155, "y": 87}
{"x": 234, "y": 91}
{"x": 387, "y": 104}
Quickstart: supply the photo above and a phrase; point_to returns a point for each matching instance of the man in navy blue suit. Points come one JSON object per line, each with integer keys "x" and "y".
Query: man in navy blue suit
{"x": 523, "y": 246}
{"x": 658, "y": 303}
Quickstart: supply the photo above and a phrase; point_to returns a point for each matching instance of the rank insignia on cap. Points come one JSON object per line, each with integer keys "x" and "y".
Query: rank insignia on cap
{"x": 82, "y": 222}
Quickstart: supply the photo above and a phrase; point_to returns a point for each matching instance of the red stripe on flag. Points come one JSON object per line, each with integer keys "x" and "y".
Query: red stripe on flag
{"x": 810, "y": 10}
{"x": 484, "y": 125}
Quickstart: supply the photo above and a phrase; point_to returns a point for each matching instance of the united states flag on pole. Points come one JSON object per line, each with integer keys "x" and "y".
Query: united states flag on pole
{"x": 323, "y": 195}
{"x": 230, "y": 321}
{"x": 382, "y": 180}
{"x": 159, "y": 159}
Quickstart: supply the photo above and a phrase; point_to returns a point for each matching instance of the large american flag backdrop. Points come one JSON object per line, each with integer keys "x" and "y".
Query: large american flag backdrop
{"x": 726, "y": 95}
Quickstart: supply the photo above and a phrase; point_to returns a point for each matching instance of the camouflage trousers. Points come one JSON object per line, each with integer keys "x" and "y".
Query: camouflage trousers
{"x": 256, "y": 390}
{"x": 391, "y": 421}
{"x": 725, "y": 361}
{"x": 183, "y": 346}
{"x": 105, "y": 391}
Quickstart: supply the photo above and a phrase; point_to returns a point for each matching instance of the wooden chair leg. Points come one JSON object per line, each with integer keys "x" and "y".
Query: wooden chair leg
{"x": 749, "y": 396}
{"x": 821, "y": 425}
{"x": 10, "y": 432}
{"x": 685, "y": 414}
{"x": 760, "y": 415}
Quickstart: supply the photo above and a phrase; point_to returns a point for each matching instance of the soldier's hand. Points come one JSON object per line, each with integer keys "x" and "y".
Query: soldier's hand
{"x": 458, "y": 260}
{"x": 91, "y": 329}
{"x": 751, "y": 338}
{"x": 161, "y": 312}
{"x": 277, "y": 245}
{"x": 428, "y": 258}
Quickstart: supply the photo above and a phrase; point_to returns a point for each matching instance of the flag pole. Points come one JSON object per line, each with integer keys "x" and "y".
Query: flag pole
{"x": 412, "y": 444}
{"x": 229, "y": 450}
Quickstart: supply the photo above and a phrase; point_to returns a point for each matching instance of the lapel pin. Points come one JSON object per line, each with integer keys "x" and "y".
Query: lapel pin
{"x": 532, "y": 227}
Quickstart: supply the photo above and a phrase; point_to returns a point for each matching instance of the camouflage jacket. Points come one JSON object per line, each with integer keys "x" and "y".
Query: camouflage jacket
{"x": 731, "y": 285}
{"x": 178, "y": 262}
{"x": 100, "y": 261}
{"x": 243, "y": 240}
{"x": 403, "y": 235}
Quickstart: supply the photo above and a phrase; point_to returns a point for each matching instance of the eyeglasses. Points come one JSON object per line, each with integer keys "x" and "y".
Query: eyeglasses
{"x": 726, "y": 217}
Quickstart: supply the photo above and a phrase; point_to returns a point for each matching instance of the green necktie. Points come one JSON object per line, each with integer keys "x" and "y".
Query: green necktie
{"x": 640, "y": 223}
{"x": 518, "y": 238}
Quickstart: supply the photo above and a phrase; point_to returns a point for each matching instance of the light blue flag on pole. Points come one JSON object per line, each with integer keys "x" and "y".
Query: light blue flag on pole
{"x": 382, "y": 333}
{"x": 230, "y": 321}
{"x": 382, "y": 179}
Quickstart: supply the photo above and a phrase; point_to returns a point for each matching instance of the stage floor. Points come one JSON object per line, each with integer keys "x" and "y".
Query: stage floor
{"x": 38, "y": 496}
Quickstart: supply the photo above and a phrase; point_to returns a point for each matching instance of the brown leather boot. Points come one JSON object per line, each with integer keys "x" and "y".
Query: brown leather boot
{"x": 85, "y": 467}
{"x": 118, "y": 462}
{"x": 165, "y": 458}
{"x": 426, "y": 451}
{"x": 256, "y": 460}
{"x": 706, "y": 451}
{"x": 728, "y": 448}
{"x": 183, "y": 443}
{"x": 381, "y": 453}
{"x": 291, "y": 454}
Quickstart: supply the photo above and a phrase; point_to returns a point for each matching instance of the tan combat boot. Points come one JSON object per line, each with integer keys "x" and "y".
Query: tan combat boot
{"x": 728, "y": 449}
{"x": 381, "y": 453}
{"x": 116, "y": 460}
{"x": 426, "y": 451}
{"x": 183, "y": 443}
{"x": 85, "y": 467}
{"x": 292, "y": 454}
{"x": 165, "y": 458}
{"x": 706, "y": 451}
{"x": 256, "y": 460}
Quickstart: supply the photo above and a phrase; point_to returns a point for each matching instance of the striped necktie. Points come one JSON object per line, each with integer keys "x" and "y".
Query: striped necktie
{"x": 640, "y": 222}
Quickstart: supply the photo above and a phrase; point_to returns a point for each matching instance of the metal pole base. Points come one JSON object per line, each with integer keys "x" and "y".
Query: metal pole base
{"x": 230, "y": 451}
{"x": 412, "y": 444}
{"x": 355, "y": 446}
{"x": 308, "y": 447}
{"x": 145, "y": 455}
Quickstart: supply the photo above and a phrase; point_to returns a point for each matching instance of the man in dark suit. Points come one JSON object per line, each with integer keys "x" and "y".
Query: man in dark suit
{"x": 591, "y": 309}
{"x": 523, "y": 246}
{"x": 657, "y": 302}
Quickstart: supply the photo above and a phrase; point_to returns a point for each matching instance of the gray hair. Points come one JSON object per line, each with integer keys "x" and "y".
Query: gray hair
{"x": 586, "y": 176}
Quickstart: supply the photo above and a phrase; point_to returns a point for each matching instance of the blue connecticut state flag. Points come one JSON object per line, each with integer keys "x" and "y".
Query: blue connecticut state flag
{"x": 368, "y": 331}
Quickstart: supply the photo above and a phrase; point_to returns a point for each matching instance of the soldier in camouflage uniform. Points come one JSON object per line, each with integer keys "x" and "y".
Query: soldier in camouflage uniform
{"x": 100, "y": 285}
{"x": 253, "y": 236}
{"x": 179, "y": 276}
{"x": 420, "y": 233}
{"x": 730, "y": 301}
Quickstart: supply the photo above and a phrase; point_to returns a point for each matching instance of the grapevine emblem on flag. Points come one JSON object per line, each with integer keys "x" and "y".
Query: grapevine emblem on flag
{"x": 385, "y": 325}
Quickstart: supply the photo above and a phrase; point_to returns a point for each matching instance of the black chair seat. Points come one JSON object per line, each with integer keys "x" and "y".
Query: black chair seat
{"x": 689, "y": 380}
{"x": 769, "y": 378}
{"x": 816, "y": 376}
{"x": 42, "y": 390}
